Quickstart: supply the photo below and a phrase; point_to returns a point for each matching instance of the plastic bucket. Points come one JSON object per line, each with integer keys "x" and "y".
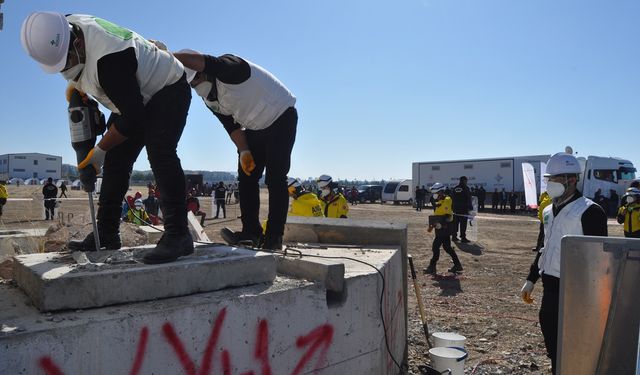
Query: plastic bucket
{"x": 448, "y": 358}
{"x": 448, "y": 339}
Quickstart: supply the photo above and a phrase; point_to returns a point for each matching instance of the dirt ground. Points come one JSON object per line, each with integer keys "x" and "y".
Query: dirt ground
{"x": 483, "y": 304}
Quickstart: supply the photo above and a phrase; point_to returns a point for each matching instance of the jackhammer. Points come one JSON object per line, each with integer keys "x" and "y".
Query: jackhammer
{"x": 86, "y": 122}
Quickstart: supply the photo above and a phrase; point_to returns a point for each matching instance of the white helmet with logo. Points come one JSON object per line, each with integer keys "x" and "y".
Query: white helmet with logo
{"x": 294, "y": 185}
{"x": 138, "y": 203}
{"x": 45, "y": 36}
{"x": 437, "y": 188}
{"x": 562, "y": 163}
{"x": 324, "y": 180}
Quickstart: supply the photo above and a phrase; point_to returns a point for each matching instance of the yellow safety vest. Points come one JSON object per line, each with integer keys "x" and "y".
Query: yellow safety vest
{"x": 3, "y": 192}
{"x": 138, "y": 218}
{"x": 443, "y": 207}
{"x": 336, "y": 207}
{"x": 307, "y": 204}
{"x": 544, "y": 200}
{"x": 631, "y": 214}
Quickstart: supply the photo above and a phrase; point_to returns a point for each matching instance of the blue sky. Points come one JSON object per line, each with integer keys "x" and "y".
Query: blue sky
{"x": 380, "y": 84}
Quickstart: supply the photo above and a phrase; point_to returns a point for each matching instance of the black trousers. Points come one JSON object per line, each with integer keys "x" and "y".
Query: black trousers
{"x": 220, "y": 203}
{"x": 549, "y": 310}
{"x": 49, "y": 208}
{"x": 459, "y": 224}
{"x": 165, "y": 118}
{"x": 271, "y": 149}
{"x": 3, "y": 201}
{"x": 442, "y": 239}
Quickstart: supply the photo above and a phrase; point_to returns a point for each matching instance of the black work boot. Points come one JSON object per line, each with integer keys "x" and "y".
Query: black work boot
{"x": 456, "y": 268}
{"x": 107, "y": 242}
{"x": 239, "y": 238}
{"x": 272, "y": 244}
{"x": 169, "y": 248}
{"x": 431, "y": 270}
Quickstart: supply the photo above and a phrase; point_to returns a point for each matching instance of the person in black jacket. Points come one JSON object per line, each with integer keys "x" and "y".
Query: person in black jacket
{"x": 461, "y": 206}
{"x": 50, "y": 193}
{"x": 219, "y": 194}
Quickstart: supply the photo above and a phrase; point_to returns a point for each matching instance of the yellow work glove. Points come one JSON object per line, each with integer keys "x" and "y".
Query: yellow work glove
{"x": 246, "y": 162}
{"x": 526, "y": 291}
{"x": 94, "y": 158}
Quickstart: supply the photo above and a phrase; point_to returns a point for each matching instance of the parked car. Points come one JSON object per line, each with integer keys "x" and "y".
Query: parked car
{"x": 369, "y": 193}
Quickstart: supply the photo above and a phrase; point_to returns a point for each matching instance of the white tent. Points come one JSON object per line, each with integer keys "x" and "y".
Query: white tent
{"x": 15, "y": 180}
{"x": 31, "y": 181}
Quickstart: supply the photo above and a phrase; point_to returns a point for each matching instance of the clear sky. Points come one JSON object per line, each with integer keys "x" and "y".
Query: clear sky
{"x": 379, "y": 84}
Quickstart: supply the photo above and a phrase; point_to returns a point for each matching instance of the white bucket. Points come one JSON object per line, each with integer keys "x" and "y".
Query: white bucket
{"x": 448, "y": 339}
{"x": 448, "y": 358}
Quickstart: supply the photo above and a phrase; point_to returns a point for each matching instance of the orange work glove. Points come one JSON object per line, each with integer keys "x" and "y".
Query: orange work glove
{"x": 246, "y": 162}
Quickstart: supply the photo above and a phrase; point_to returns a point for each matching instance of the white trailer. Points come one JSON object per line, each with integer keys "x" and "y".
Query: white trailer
{"x": 494, "y": 173}
{"x": 599, "y": 172}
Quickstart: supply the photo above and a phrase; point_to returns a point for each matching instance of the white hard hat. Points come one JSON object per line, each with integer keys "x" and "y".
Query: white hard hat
{"x": 45, "y": 37}
{"x": 633, "y": 191}
{"x": 295, "y": 182}
{"x": 437, "y": 187}
{"x": 562, "y": 163}
{"x": 324, "y": 180}
{"x": 190, "y": 72}
{"x": 138, "y": 202}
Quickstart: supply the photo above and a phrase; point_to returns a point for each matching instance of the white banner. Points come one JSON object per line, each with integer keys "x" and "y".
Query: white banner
{"x": 529, "y": 179}
{"x": 543, "y": 182}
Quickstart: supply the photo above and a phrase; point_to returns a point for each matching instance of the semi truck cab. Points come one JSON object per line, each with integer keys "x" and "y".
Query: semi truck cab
{"x": 606, "y": 174}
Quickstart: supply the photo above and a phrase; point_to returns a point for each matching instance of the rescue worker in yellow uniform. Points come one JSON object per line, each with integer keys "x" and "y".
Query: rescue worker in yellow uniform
{"x": 629, "y": 213}
{"x": 3, "y": 196}
{"x": 444, "y": 215}
{"x": 305, "y": 203}
{"x": 543, "y": 202}
{"x": 334, "y": 204}
{"x": 137, "y": 214}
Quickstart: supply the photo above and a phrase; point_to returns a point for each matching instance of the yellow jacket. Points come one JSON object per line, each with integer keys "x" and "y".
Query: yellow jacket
{"x": 443, "y": 207}
{"x": 544, "y": 200}
{"x": 630, "y": 215}
{"x": 3, "y": 192}
{"x": 307, "y": 204}
{"x": 336, "y": 207}
{"x": 138, "y": 218}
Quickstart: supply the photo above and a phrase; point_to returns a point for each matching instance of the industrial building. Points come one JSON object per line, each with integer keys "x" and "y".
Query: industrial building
{"x": 30, "y": 165}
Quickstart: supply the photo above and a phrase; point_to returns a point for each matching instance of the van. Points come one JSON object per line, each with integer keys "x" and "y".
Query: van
{"x": 398, "y": 192}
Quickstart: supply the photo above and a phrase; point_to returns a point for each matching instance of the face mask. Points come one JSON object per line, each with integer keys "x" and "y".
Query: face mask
{"x": 630, "y": 199}
{"x": 555, "y": 189}
{"x": 324, "y": 192}
{"x": 203, "y": 89}
{"x": 71, "y": 73}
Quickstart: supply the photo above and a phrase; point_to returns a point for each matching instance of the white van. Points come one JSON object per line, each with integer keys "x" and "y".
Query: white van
{"x": 398, "y": 192}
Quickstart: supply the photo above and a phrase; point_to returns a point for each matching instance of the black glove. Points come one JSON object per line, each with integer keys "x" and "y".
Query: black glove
{"x": 88, "y": 178}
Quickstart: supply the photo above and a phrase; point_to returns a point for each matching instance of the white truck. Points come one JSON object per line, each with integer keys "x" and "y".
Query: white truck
{"x": 599, "y": 172}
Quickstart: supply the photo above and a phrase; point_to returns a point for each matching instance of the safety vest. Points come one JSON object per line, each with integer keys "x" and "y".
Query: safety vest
{"x": 443, "y": 207}
{"x": 156, "y": 68}
{"x": 307, "y": 204}
{"x": 255, "y": 103}
{"x": 545, "y": 200}
{"x": 568, "y": 222}
{"x": 336, "y": 207}
{"x": 631, "y": 214}
{"x": 3, "y": 192}
{"x": 138, "y": 217}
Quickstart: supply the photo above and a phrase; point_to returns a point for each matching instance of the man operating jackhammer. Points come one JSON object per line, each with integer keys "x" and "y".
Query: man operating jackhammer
{"x": 147, "y": 93}
{"x": 569, "y": 214}
{"x": 258, "y": 113}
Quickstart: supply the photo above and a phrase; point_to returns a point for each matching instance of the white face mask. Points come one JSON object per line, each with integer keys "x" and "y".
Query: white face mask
{"x": 71, "y": 73}
{"x": 555, "y": 189}
{"x": 203, "y": 89}
{"x": 630, "y": 199}
{"x": 324, "y": 192}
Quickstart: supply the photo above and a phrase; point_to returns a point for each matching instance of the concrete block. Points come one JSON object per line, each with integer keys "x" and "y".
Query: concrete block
{"x": 20, "y": 241}
{"x": 153, "y": 234}
{"x": 327, "y": 272}
{"x": 55, "y": 281}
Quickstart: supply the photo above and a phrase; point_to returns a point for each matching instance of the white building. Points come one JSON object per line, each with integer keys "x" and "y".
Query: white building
{"x": 30, "y": 165}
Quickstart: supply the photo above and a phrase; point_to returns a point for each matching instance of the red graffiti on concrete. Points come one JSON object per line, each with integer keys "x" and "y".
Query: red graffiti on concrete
{"x": 319, "y": 339}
